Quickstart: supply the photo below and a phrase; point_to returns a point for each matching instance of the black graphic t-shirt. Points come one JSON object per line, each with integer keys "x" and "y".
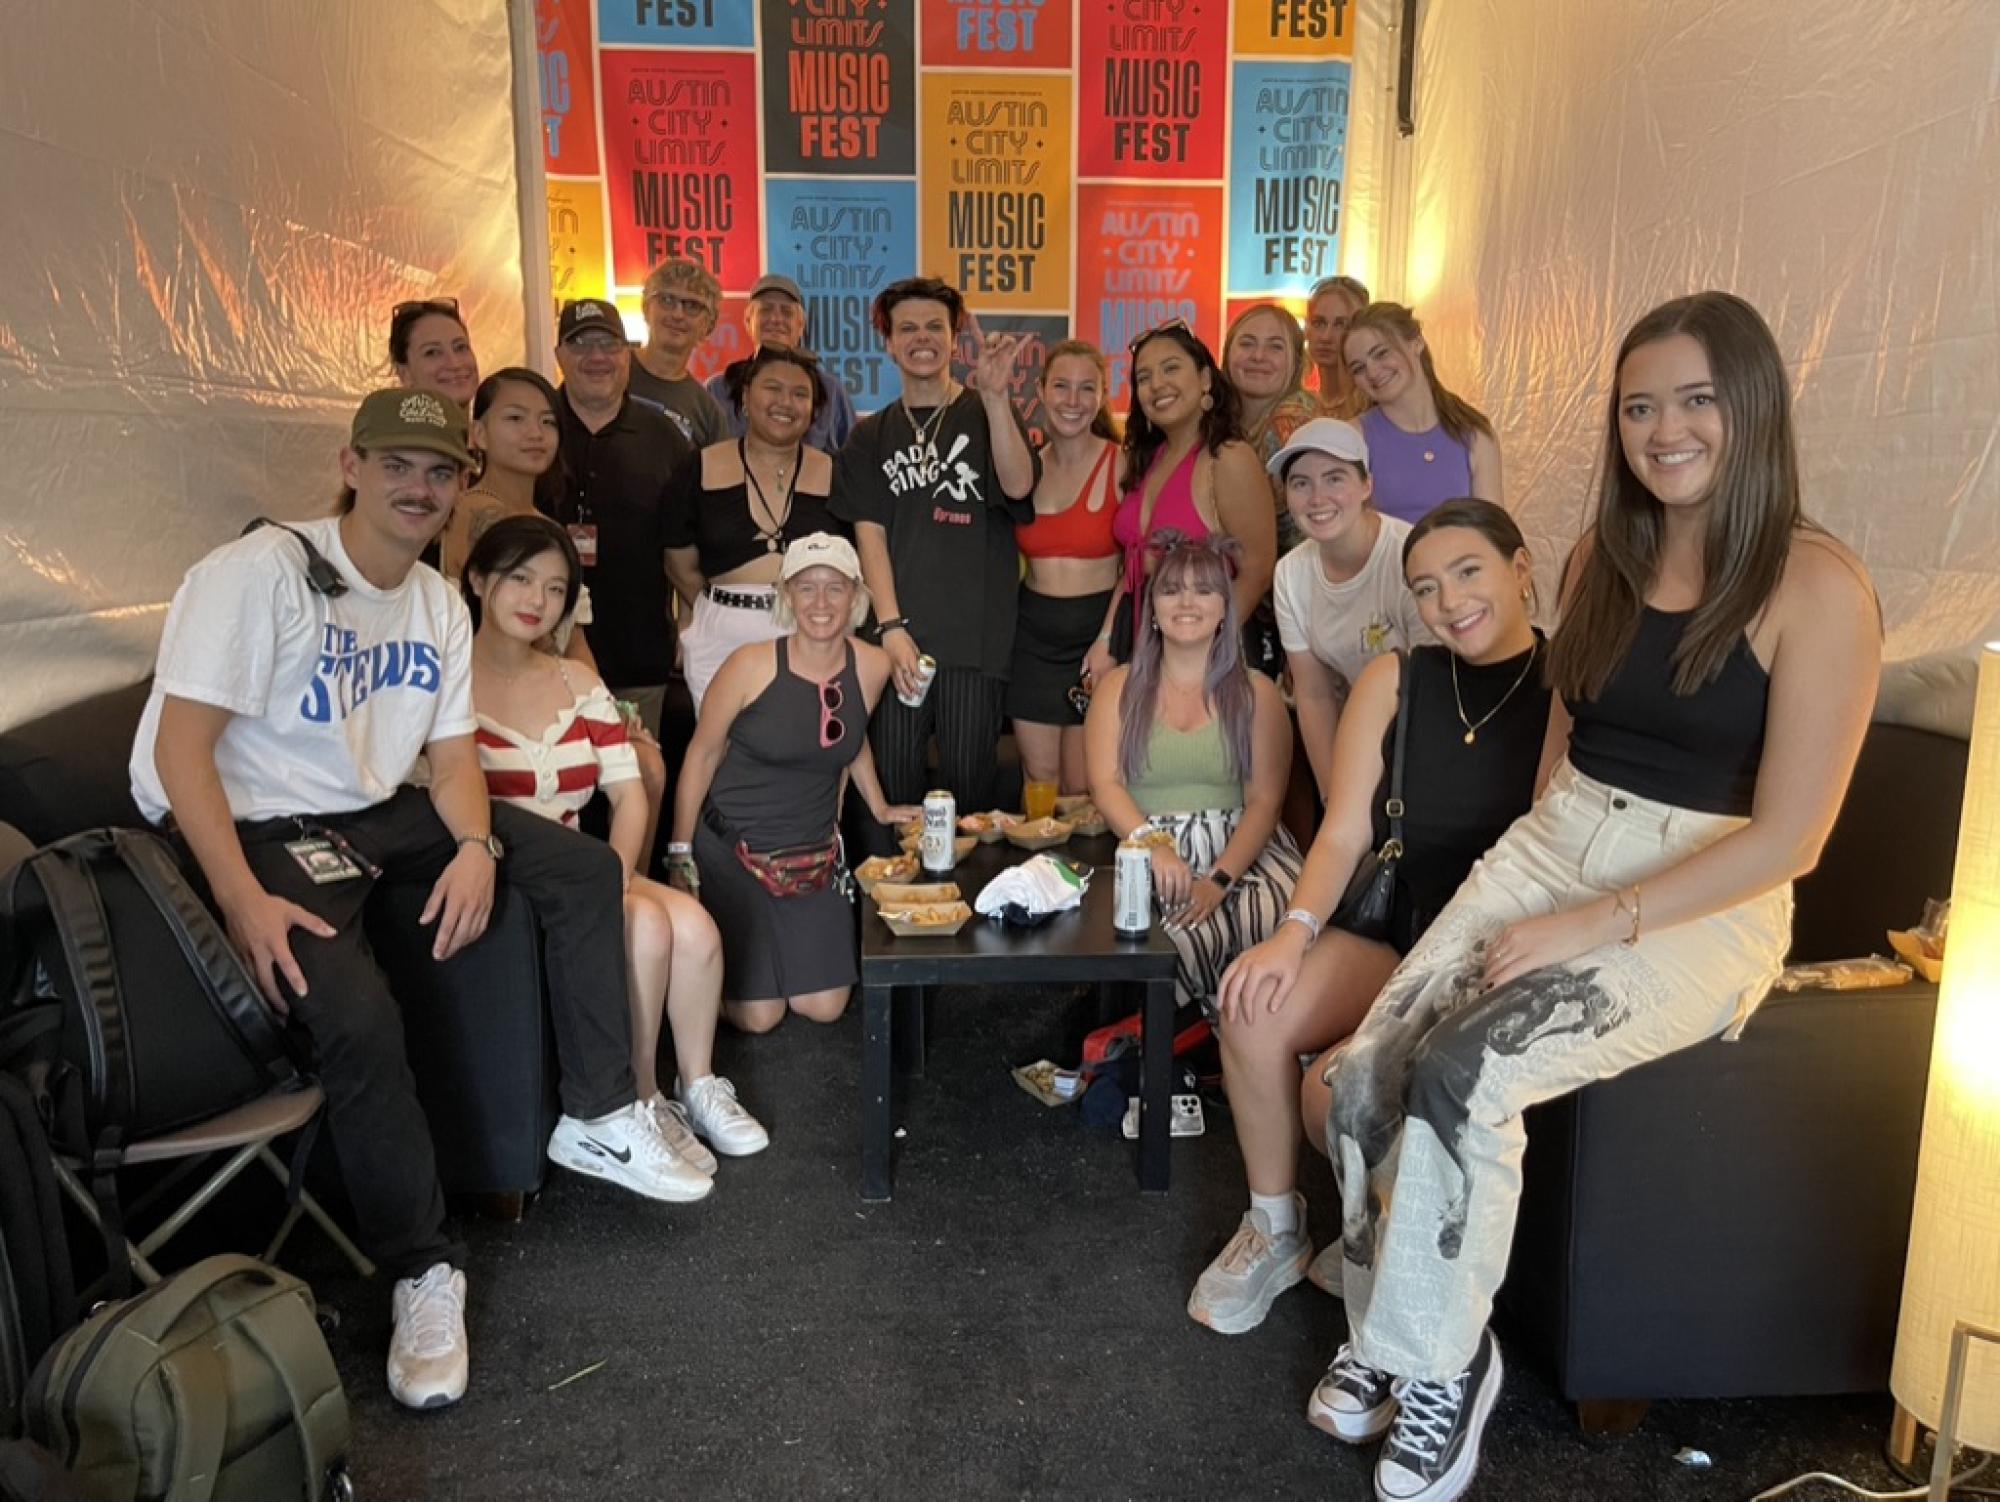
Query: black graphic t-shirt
{"x": 951, "y": 530}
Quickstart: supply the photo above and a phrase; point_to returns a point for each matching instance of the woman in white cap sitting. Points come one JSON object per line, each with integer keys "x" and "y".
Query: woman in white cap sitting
{"x": 1340, "y": 593}
{"x": 757, "y": 809}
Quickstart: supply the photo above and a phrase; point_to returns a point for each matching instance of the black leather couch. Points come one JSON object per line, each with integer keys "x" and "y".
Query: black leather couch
{"x": 1732, "y": 1220}
{"x": 477, "y": 1025}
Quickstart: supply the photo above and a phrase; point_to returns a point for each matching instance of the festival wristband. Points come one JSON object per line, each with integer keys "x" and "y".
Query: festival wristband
{"x": 1300, "y": 916}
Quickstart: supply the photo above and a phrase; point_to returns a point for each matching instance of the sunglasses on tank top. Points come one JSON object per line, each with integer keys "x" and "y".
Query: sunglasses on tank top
{"x": 832, "y": 729}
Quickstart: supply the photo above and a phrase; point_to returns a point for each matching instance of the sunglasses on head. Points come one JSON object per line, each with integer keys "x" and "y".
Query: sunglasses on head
{"x": 1159, "y": 328}
{"x": 417, "y": 306}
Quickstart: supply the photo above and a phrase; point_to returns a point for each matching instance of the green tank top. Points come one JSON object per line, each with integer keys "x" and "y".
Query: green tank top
{"x": 1186, "y": 771}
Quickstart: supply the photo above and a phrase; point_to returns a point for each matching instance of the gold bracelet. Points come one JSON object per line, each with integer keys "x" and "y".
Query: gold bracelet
{"x": 1618, "y": 905}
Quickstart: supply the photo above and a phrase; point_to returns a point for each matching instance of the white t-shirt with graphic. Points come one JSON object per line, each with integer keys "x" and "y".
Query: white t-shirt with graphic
{"x": 1345, "y": 625}
{"x": 334, "y": 699}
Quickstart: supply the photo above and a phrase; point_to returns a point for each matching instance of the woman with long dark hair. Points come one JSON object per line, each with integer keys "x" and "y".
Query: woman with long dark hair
{"x": 734, "y": 511}
{"x": 430, "y": 349}
{"x": 517, "y": 441}
{"x": 1072, "y": 564}
{"x": 1428, "y": 444}
{"x": 1715, "y": 667}
{"x": 1188, "y": 471}
{"x": 1307, "y": 986}
{"x": 550, "y": 738}
{"x": 1187, "y": 742}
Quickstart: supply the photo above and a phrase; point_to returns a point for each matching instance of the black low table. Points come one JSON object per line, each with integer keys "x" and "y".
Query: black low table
{"x": 1076, "y": 947}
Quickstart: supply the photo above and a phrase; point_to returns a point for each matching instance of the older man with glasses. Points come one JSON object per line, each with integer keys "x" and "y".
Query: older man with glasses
{"x": 776, "y": 319}
{"x": 681, "y": 301}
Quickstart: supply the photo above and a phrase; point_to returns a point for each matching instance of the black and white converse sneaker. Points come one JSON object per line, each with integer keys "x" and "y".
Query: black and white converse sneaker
{"x": 1353, "y": 1401}
{"x": 1433, "y": 1451}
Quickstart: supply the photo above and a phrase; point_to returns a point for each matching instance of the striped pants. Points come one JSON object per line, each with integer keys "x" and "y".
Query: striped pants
{"x": 963, "y": 709}
{"x": 1251, "y": 909}
{"x": 1425, "y": 1124}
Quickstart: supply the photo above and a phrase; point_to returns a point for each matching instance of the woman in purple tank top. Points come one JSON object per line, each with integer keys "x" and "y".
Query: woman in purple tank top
{"x": 1425, "y": 445}
{"x": 1185, "y": 468}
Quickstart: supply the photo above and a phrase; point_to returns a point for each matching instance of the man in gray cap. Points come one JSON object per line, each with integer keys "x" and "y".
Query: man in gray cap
{"x": 777, "y": 317}
{"x": 302, "y": 673}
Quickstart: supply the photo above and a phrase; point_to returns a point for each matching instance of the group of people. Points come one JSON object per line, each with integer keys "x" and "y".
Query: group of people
{"x": 1534, "y": 859}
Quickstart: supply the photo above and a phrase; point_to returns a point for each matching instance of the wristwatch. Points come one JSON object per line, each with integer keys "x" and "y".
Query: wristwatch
{"x": 1220, "y": 877}
{"x": 490, "y": 843}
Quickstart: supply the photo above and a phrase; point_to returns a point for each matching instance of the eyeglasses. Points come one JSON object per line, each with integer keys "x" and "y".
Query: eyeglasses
{"x": 602, "y": 344}
{"x": 690, "y": 307}
{"x": 418, "y": 306}
{"x": 1159, "y": 328}
{"x": 832, "y": 730}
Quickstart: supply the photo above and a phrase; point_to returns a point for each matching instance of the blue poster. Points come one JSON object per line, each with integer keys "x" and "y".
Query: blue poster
{"x": 843, "y": 241}
{"x": 1288, "y": 149}
{"x": 676, "y": 23}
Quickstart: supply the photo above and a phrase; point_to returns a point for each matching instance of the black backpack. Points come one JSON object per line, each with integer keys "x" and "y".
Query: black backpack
{"x": 37, "y": 1281}
{"x": 123, "y": 1003}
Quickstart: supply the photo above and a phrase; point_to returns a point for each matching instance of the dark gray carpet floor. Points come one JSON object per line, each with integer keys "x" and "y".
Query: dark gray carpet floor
{"x": 1011, "y": 1325}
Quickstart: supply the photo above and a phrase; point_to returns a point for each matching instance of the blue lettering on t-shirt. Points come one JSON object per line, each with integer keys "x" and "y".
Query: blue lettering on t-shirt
{"x": 346, "y": 673}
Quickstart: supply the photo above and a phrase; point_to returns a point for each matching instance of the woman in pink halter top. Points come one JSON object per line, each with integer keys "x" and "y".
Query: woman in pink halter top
{"x": 1183, "y": 411}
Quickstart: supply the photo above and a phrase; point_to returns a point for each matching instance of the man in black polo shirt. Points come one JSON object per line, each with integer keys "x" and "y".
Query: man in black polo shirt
{"x": 934, "y": 485}
{"x": 621, "y": 456}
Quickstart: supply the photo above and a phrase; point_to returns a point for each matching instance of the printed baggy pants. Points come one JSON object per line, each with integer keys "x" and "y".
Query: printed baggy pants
{"x": 1425, "y": 1123}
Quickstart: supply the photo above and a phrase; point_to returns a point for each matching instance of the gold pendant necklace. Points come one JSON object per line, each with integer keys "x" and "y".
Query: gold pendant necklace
{"x": 1472, "y": 727}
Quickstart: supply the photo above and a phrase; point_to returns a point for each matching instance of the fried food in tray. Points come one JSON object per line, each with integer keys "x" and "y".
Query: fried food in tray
{"x": 933, "y": 921}
{"x": 880, "y": 868}
{"x": 1039, "y": 834}
{"x": 915, "y": 894}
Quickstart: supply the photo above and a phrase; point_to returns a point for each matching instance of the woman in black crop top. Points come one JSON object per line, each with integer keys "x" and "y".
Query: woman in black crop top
{"x": 732, "y": 513}
{"x": 1476, "y": 712}
{"x": 1715, "y": 665}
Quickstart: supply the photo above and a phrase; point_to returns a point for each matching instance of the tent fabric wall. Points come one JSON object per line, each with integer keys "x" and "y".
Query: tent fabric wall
{"x": 211, "y": 207}
{"x": 1836, "y": 162}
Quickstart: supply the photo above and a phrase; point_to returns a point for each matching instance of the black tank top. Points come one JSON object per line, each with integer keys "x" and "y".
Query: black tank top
{"x": 777, "y": 784}
{"x": 1699, "y": 752}
{"x": 1459, "y": 799}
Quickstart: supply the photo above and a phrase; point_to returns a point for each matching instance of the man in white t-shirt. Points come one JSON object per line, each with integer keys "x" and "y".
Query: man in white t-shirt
{"x": 1340, "y": 595}
{"x": 302, "y": 673}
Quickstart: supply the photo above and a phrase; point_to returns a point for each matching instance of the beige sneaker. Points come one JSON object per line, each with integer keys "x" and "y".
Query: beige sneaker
{"x": 1238, "y": 1288}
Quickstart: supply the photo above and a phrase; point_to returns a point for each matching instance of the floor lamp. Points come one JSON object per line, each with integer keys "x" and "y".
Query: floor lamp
{"x": 1947, "y": 1369}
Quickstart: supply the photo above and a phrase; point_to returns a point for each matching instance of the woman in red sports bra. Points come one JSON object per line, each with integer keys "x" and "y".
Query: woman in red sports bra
{"x": 1073, "y": 564}
{"x": 1186, "y": 468}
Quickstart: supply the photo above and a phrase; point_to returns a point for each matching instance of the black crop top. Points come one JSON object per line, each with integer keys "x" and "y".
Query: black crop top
{"x": 1458, "y": 799}
{"x": 708, "y": 509}
{"x": 1700, "y": 752}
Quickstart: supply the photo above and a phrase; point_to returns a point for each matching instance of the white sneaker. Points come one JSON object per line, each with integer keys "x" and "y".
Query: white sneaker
{"x": 673, "y": 1119}
{"x": 628, "y": 1148}
{"x": 428, "y": 1360}
{"x": 715, "y": 1113}
{"x": 1237, "y": 1289}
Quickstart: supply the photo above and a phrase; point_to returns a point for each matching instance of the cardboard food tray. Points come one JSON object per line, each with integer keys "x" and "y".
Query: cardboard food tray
{"x": 905, "y": 922}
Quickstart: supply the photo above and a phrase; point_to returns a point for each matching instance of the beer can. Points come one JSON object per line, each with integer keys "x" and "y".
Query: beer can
{"x": 926, "y": 670}
{"x": 940, "y": 831}
{"x": 1132, "y": 890}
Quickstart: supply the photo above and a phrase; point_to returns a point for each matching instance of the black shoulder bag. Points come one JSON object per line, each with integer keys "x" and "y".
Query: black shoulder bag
{"x": 1367, "y": 908}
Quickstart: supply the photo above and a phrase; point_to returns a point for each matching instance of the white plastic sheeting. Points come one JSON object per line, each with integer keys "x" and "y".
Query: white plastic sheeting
{"x": 1836, "y": 162}
{"x": 210, "y": 207}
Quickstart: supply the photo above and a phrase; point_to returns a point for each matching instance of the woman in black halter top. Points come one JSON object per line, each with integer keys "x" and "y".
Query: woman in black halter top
{"x": 1714, "y": 670}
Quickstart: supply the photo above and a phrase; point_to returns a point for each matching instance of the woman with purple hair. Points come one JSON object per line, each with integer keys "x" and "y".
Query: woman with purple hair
{"x": 1188, "y": 741}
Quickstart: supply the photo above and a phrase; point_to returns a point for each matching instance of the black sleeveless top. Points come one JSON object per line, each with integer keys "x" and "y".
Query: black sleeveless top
{"x": 777, "y": 785}
{"x": 1700, "y": 752}
{"x": 1458, "y": 799}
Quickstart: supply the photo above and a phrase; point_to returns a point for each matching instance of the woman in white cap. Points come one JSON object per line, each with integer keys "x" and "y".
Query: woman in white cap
{"x": 757, "y": 808}
{"x": 732, "y": 513}
{"x": 1340, "y": 595}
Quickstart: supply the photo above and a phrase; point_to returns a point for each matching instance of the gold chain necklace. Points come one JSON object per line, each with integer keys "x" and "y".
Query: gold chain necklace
{"x": 1472, "y": 726}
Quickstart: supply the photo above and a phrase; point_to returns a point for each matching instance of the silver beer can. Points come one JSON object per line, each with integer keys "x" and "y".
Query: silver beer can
{"x": 940, "y": 831}
{"x": 926, "y": 671}
{"x": 1132, "y": 890}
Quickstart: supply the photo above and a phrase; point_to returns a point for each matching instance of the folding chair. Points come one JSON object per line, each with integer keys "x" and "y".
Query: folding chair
{"x": 249, "y": 1130}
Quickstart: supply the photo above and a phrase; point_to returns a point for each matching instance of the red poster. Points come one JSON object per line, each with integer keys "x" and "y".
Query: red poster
{"x": 1154, "y": 91}
{"x": 996, "y": 33}
{"x": 1145, "y": 256}
{"x": 569, "y": 99}
{"x": 680, "y": 161}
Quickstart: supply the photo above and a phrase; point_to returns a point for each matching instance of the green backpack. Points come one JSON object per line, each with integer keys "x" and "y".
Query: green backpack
{"x": 214, "y": 1384}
